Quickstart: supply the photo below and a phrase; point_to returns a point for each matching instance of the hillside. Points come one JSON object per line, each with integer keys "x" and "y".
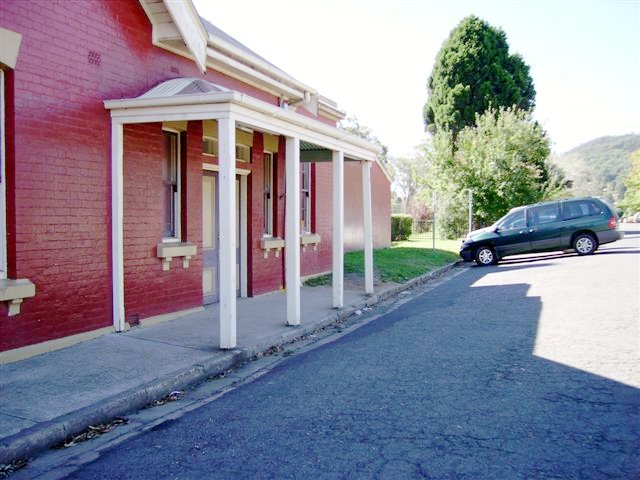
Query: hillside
{"x": 598, "y": 167}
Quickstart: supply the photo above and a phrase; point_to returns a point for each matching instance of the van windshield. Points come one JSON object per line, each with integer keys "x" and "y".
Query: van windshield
{"x": 511, "y": 220}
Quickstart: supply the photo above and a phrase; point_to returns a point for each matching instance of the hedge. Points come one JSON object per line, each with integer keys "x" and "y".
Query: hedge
{"x": 401, "y": 226}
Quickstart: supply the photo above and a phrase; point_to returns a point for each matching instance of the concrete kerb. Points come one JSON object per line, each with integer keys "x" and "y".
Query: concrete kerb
{"x": 48, "y": 434}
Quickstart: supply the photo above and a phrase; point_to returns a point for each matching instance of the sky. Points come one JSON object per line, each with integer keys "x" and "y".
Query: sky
{"x": 373, "y": 57}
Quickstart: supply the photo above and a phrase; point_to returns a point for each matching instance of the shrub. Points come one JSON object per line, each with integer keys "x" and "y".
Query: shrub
{"x": 400, "y": 227}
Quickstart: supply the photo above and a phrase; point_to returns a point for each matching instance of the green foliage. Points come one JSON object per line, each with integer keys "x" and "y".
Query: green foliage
{"x": 473, "y": 72}
{"x": 403, "y": 261}
{"x": 408, "y": 176}
{"x": 502, "y": 160}
{"x": 400, "y": 263}
{"x": 401, "y": 226}
{"x": 319, "y": 281}
{"x": 631, "y": 202}
{"x": 598, "y": 167}
{"x": 353, "y": 126}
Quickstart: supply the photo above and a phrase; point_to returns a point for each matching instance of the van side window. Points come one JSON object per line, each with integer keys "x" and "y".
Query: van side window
{"x": 580, "y": 208}
{"x": 543, "y": 214}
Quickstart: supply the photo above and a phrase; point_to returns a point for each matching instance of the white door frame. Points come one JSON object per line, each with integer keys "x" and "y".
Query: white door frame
{"x": 242, "y": 174}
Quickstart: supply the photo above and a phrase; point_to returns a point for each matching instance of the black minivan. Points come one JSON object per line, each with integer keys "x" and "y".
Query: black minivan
{"x": 581, "y": 224}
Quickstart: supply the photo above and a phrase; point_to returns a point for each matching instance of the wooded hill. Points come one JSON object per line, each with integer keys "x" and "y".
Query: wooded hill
{"x": 598, "y": 167}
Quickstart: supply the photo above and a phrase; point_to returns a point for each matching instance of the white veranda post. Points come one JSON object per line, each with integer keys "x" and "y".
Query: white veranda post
{"x": 368, "y": 227}
{"x": 227, "y": 255}
{"x": 292, "y": 230}
{"x": 338, "y": 229}
{"x": 117, "y": 224}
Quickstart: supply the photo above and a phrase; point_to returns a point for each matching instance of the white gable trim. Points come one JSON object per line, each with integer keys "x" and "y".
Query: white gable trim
{"x": 187, "y": 21}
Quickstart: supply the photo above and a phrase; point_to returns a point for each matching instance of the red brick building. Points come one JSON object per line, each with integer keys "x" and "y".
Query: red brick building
{"x": 151, "y": 164}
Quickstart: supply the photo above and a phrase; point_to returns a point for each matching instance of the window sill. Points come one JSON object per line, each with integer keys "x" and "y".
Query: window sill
{"x": 14, "y": 291}
{"x": 310, "y": 239}
{"x": 271, "y": 243}
{"x": 167, "y": 251}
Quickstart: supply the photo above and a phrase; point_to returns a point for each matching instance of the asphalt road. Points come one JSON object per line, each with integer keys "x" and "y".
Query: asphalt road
{"x": 529, "y": 369}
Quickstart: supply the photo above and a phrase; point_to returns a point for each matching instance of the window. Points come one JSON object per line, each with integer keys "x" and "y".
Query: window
{"x": 3, "y": 206}
{"x": 580, "y": 208}
{"x": 210, "y": 146}
{"x": 268, "y": 195}
{"x": 544, "y": 214}
{"x": 305, "y": 198}
{"x": 514, "y": 220}
{"x": 171, "y": 182}
{"x": 243, "y": 153}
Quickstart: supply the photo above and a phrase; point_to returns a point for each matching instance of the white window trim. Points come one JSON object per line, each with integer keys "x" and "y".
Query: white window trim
{"x": 178, "y": 203}
{"x": 269, "y": 208}
{"x": 240, "y": 147}
{"x": 3, "y": 183}
{"x": 306, "y": 223}
{"x": 215, "y": 141}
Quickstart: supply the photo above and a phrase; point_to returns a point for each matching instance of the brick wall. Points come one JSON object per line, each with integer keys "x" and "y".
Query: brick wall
{"x": 320, "y": 260}
{"x": 74, "y": 55}
{"x": 380, "y": 206}
{"x": 148, "y": 289}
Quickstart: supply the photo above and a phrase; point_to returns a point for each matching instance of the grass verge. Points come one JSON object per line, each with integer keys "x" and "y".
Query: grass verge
{"x": 399, "y": 263}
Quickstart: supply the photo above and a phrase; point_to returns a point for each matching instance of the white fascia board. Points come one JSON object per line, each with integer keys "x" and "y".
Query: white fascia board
{"x": 257, "y": 63}
{"x": 188, "y": 23}
{"x": 247, "y": 110}
{"x": 9, "y": 47}
{"x": 222, "y": 63}
{"x": 212, "y": 98}
{"x": 331, "y": 112}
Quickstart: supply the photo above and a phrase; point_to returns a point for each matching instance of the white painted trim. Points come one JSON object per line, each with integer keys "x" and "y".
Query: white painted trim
{"x": 243, "y": 173}
{"x": 292, "y": 230}
{"x": 178, "y": 205}
{"x": 3, "y": 183}
{"x": 338, "y": 230}
{"x": 268, "y": 206}
{"x": 9, "y": 47}
{"x": 209, "y": 167}
{"x": 188, "y": 23}
{"x": 227, "y": 227}
{"x": 117, "y": 224}
{"x": 368, "y": 227}
{"x": 247, "y": 110}
{"x": 244, "y": 288}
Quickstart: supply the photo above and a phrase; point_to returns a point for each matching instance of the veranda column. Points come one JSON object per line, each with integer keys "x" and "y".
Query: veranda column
{"x": 117, "y": 224}
{"x": 338, "y": 229}
{"x": 292, "y": 230}
{"x": 368, "y": 228}
{"x": 227, "y": 247}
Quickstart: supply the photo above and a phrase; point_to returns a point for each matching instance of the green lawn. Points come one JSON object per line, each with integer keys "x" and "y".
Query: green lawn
{"x": 401, "y": 262}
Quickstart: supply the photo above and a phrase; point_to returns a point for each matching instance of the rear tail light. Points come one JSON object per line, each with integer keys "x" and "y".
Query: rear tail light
{"x": 613, "y": 223}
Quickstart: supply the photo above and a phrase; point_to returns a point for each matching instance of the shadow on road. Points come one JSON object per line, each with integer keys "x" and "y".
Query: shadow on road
{"x": 444, "y": 386}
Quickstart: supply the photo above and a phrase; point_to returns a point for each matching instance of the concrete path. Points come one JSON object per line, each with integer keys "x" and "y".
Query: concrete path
{"x": 50, "y": 397}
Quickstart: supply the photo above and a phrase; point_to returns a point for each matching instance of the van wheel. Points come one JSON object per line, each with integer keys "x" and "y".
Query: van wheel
{"x": 486, "y": 256}
{"x": 585, "y": 244}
